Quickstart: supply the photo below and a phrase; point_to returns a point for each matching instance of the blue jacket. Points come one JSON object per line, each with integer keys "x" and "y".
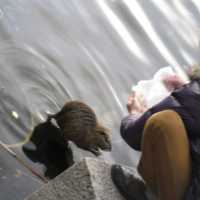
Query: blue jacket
{"x": 186, "y": 102}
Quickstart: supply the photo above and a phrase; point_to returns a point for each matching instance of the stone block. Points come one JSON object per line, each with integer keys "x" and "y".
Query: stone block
{"x": 87, "y": 180}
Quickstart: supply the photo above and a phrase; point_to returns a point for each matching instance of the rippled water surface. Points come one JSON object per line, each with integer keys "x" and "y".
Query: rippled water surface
{"x": 90, "y": 50}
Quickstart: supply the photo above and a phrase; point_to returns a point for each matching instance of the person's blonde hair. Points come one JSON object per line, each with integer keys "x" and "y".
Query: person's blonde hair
{"x": 194, "y": 72}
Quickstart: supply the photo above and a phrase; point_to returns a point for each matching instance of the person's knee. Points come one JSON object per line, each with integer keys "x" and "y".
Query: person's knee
{"x": 164, "y": 123}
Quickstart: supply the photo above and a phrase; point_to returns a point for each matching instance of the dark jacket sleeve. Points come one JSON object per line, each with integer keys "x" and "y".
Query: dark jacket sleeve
{"x": 132, "y": 128}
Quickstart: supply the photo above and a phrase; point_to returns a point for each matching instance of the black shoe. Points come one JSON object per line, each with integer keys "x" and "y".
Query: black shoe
{"x": 129, "y": 186}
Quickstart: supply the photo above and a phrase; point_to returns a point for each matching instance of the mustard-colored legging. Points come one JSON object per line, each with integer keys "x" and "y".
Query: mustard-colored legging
{"x": 165, "y": 164}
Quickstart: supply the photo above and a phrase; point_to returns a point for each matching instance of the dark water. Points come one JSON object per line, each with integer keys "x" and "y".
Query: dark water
{"x": 90, "y": 50}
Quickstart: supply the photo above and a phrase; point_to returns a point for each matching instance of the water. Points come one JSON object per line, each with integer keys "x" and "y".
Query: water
{"x": 90, "y": 50}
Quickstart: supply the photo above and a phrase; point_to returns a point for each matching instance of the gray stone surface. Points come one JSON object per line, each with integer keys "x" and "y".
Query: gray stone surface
{"x": 87, "y": 180}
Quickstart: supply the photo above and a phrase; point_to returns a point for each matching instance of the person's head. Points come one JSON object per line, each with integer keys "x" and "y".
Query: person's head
{"x": 194, "y": 72}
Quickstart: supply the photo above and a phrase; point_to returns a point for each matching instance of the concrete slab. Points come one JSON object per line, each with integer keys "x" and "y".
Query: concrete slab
{"x": 87, "y": 180}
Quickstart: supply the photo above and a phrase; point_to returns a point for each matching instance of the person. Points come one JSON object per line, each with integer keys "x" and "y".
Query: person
{"x": 168, "y": 135}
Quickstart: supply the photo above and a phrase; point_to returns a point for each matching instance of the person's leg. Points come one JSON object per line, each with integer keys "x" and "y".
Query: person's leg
{"x": 165, "y": 164}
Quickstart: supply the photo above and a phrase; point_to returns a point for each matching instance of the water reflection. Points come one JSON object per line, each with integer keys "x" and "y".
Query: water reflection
{"x": 55, "y": 51}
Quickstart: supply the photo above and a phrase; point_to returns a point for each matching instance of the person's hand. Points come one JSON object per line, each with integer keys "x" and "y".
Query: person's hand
{"x": 136, "y": 103}
{"x": 173, "y": 82}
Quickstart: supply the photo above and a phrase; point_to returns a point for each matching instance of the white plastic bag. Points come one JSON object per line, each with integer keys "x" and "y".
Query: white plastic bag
{"x": 154, "y": 90}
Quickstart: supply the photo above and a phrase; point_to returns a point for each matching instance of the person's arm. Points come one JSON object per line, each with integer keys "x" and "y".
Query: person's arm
{"x": 132, "y": 129}
{"x": 132, "y": 125}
